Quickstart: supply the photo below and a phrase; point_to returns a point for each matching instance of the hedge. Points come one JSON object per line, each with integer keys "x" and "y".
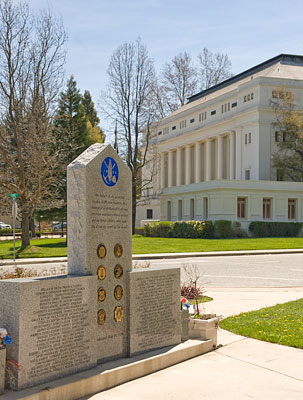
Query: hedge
{"x": 180, "y": 229}
{"x": 275, "y": 229}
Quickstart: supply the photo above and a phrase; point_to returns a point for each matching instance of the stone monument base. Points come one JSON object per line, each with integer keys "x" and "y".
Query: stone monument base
{"x": 154, "y": 309}
{"x": 51, "y": 323}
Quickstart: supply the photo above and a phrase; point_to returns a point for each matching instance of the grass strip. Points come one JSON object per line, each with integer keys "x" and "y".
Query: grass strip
{"x": 146, "y": 245}
{"x": 282, "y": 324}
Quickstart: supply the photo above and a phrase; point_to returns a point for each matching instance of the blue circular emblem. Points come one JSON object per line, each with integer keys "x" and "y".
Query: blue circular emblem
{"x": 109, "y": 171}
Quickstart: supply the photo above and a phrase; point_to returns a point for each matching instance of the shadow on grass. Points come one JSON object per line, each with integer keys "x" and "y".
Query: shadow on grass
{"x": 52, "y": 245}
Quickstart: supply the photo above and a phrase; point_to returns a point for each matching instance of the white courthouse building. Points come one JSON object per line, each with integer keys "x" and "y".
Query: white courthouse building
{"x": 215, "y": 152}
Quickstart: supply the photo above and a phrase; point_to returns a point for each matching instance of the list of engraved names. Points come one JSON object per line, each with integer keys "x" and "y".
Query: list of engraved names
{"x": 60, "y": 330}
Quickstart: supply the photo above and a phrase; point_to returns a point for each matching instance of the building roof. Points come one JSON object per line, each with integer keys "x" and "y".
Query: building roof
{"x": 287, "y": 59}
{"x": 283, "y": 66}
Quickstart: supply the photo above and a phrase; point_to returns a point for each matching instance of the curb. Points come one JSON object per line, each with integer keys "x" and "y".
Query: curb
{"x": 160, "y": 256}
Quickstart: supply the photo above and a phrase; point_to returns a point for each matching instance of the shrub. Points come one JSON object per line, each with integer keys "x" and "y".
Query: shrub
{"x": 275, "y": 229}
{"x": 238, "y": 231}
{"x": 158, "y": 229}
{"x": 139, "y": 231}
{"x": 183, "y": 229}
{"x": 223, "y": 229}
{"x": 191, "y": 292}
{"x": 180, "y": 229}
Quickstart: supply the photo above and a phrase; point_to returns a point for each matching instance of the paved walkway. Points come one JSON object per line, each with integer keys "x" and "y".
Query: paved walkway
{"x": 242, "y": 369}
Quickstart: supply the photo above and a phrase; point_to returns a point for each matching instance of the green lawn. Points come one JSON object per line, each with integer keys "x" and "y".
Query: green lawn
{"x": 282, "y": 324}
{"x": 146, "y": 245}
{"x": 143, "y": 245}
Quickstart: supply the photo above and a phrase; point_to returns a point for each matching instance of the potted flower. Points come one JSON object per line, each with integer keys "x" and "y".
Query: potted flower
{"x": 5, "y": 340}
{"x": 200, "y": 325}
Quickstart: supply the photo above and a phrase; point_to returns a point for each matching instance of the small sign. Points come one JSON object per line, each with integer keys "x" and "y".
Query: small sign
{"x": 13, "y": 195}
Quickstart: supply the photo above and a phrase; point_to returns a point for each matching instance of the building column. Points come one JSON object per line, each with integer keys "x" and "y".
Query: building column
{"x": 170, "y": 169}
{"x": 220, "y": 158}
{"x": 232, "y": 155}
{"x": 162, "y": 170}
{"x": 208, "y": 160}
{"x": 197, "y": 162}
{"x": 179, "y": 166}
{"x": 187, "y": 165}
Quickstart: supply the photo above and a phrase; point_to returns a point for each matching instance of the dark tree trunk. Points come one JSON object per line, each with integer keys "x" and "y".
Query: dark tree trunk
{"x": 25, "y": 229}
{"x": 134, "y": 200}
{"x": 32, "y": 227}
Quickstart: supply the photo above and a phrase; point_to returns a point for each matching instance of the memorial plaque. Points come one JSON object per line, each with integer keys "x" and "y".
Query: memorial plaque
{"x": 101, "y": 317}
{"x": 101, "y": 251}
{"x": 118, "y": 314}
{"x": 118, "y": 271}
{"x": 101, "y": 294}
{"x": 118, "y": 292}
{"x": 101, "y": 272}
{"x": 118, "y": 250}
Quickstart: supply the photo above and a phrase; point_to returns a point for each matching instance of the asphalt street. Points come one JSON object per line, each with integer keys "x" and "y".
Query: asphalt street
{"x": 270, "y": 270}
{"x": 250, "y": 271}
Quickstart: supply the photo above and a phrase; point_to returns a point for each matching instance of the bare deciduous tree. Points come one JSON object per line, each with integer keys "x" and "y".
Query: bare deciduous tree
{"x": 31, "y": 61}
{"x": 288, "y": 158}
{"x": 179, "y": 80}
{"x": 129, "y": 100}
{"x": 214, "y": 68}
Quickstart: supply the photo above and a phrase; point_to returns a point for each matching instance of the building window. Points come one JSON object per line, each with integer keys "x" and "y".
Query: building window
{"x": 266, "y": 208}
{"x": 213, "y": 112}
{"x": 169, "y": 211}
{"x": 192, "y": 210}
{"x": 183, "y": 124}
{"x": 228, "y": 106}
{"x": 247, "y": 174}
{"x": 180, "y": 210}
{"x": 248, "y": 97}
{"x": 149, "y": 213}
{"x": 222, "y": 108}
{"x": 280, "y": 175}
{"x": 192, "y": 120}
{"x": 202, "y": 116}
{"x": 249, "y": 137}
{"x": 234, "y": 105}
{"x": 241, "y": 207}
{"x": 165, "y": 130}
{"x": 173, "y": 127}
{"x": 205, "y": 208}
{"x": 252, "y": 96}
{"x": 245, "y": 138}
{"x": 245, "y": 99}
{"x": 160, "y": 133}
{"x": 291, "y": 209}
{"x": 277, "y": 136}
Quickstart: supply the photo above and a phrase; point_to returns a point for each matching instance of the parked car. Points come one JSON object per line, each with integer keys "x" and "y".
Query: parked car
{"x": 3, "y": 225}
{"x": 60, "y": 226}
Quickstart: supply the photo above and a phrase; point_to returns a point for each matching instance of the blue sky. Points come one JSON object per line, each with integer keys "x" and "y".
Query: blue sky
{"x": 249, "y": 32}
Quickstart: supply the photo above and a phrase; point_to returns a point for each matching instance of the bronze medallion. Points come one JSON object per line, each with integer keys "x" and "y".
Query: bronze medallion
{"x": 101, "y": 272}
{"x": 118, "y": 313}
{"x": 118, "y": 250}
{"x": 101, "y": 317}
{"x": 118, "y": 271}
{"x": 101, "y": 251}
{"x": 118, "y": 292}
{"x": 101, "y": 294}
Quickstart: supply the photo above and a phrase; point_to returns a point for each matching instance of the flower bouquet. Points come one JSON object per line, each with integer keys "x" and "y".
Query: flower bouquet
{"x": 5, "y": 339}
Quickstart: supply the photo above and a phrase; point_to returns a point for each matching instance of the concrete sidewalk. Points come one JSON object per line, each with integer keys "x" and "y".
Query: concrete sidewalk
{"x": 242, "y": 369}
{"x": 155, "y": 256}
